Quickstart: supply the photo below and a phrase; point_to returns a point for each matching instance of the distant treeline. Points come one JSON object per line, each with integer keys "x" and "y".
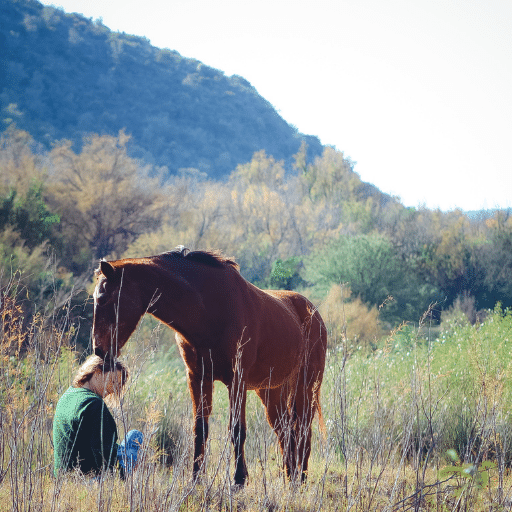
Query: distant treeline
{"x": 318, "y": 228}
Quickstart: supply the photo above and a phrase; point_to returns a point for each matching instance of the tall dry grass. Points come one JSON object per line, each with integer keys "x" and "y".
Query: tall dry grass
{"x": 423, "y": 422}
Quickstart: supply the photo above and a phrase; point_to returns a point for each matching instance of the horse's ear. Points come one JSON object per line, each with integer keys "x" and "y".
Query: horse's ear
{"x": 107, "y": 269}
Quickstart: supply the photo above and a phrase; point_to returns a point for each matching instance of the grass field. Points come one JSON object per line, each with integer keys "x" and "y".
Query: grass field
{"x": 421, "y": 423}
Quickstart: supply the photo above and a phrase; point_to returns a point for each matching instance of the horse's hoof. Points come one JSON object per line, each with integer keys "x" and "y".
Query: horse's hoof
{"x": 240, "y": 478}
{"x": 235, "y": 488}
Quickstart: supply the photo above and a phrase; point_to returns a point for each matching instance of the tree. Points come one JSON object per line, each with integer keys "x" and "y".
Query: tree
{"x": 285, "y": 274}
{"x": 261, "y": 170}
{"x": 330, "y": 176}
{"x": 28, "y": 215}
{"x": 104, "y": 198}
{"x": 369, "y": 265}
{"x": 27, "y": 224}
{"x": 366, "y": 263}
{"x": 21, "y": 162}
{"x": 494, "y": 258}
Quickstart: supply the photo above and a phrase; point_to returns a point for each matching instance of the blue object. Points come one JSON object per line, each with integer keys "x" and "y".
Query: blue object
{"x": 129, "y": 449}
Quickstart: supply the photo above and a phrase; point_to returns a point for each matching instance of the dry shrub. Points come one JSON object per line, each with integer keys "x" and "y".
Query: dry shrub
{"x": 350, "y": 319}
{"x": 12, "y": 331}
{"x": 463, "y": 311}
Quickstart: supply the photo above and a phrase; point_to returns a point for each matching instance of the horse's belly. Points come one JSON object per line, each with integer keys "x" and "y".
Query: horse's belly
{"x": 276, "y": 345}
{"x": 274, "y": 365}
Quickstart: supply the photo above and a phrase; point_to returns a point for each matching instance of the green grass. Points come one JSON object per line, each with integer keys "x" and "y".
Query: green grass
{"x": 428, "y": 405}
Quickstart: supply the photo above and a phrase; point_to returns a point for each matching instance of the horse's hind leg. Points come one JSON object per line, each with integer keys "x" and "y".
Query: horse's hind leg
{"x": 281, "y": 420}
{"x": 238, "y": 429}
{"x": 305, "y": 407}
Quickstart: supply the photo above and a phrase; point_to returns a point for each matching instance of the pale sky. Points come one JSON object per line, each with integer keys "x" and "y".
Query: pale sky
{"x": 417, "y": 92}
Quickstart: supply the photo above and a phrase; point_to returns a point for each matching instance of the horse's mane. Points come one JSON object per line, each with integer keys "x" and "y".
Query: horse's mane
{"x": 210, "y": 258}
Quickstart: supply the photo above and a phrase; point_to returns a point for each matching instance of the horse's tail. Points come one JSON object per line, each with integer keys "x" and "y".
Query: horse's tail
{"x": 321, "y": 421}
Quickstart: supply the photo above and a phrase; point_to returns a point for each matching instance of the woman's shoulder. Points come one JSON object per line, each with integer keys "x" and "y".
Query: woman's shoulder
{"x": 80, "y": 393}
{"x": 79, "y": 398}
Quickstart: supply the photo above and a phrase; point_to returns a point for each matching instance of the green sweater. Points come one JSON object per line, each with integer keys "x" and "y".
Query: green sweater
{"x": 84, "y": 432}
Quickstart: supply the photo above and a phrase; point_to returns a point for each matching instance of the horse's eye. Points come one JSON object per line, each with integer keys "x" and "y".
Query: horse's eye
{"x": 100, "y": 294}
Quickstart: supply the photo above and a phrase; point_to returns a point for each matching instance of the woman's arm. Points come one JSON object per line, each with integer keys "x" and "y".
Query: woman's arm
{"x": 103, "y": 435}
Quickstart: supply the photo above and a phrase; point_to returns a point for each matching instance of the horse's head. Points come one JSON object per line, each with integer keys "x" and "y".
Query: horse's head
{"x": 117, "y": 309}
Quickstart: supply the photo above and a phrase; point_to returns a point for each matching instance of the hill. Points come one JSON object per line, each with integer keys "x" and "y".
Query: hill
{"x": 65, "y": 76}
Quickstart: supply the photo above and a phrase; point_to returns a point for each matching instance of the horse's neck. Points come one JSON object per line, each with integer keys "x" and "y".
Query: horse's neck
{"x": 172, "y": 300}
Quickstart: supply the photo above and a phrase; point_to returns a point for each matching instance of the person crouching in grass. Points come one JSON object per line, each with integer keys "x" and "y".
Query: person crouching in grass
{"x": 84, "y": 430}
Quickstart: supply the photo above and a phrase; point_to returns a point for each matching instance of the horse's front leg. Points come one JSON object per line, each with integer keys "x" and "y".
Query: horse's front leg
{"x": 238, "y": 429}
{"x": 201, "y": 390}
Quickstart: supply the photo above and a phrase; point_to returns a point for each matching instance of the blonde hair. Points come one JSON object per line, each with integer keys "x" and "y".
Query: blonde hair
{"x": 95, "y": 363}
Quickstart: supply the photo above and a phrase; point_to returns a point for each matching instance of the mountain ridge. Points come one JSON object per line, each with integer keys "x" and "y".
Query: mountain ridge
{"x": 64, "y": 76}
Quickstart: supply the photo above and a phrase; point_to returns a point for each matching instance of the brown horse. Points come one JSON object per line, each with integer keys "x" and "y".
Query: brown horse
{"x": 272, "y": 342}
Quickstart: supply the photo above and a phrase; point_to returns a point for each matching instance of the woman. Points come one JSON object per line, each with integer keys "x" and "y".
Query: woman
{"x": 84, "y": 430}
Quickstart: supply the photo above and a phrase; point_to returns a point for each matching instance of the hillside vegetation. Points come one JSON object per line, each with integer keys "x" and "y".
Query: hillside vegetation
{"x": 369, "y": 262}
{"x": 111, "y": 164}
{"x": 65, "y": 76}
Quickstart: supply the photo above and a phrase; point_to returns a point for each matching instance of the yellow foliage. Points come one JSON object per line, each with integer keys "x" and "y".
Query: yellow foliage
{"x": 105, "y": 199}
{"x": 262, "y": 169}
{"x": 20, "y": 167}
{"x": 350, "y": 319}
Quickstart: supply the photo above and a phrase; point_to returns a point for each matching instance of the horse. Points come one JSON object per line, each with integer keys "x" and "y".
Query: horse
{"x": 270, "y": 341}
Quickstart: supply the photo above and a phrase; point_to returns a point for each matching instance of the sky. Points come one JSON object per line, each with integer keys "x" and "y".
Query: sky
{"x": 418, "y": 93}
